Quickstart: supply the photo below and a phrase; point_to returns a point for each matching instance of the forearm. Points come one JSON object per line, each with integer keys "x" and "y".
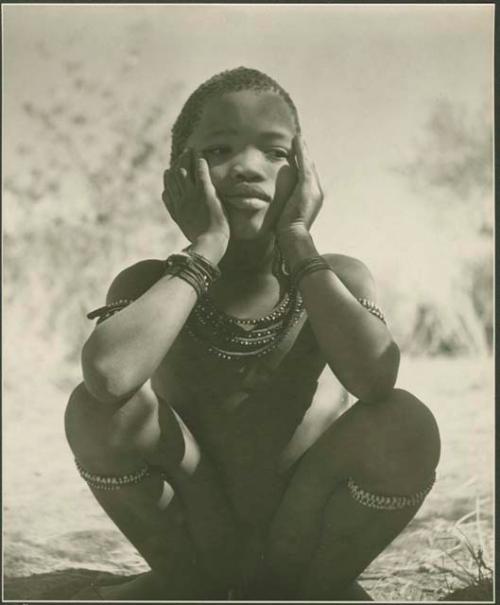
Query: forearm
{"x": 357, "y": 345}
{"x": 124, "y": 351}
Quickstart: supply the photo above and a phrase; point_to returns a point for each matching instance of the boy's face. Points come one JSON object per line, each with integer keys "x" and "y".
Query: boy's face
{"x": 246, "y": 138}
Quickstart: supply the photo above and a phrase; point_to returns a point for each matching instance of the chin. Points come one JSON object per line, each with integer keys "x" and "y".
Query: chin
{"x": 246, "y": 230}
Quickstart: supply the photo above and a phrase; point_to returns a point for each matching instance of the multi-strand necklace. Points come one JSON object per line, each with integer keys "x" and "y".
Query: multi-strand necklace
{"x": 231, "y": 338}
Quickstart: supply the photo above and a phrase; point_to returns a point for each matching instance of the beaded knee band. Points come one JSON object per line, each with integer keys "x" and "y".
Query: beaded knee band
{"x": 112, "y": 482}
{"x": 388, "y": 502}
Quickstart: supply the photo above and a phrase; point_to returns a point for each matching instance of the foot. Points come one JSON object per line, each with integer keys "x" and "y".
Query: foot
{"x": 355, "y": 592}
{"x": 141, "y": 587}
{"x": 145, "y": 587}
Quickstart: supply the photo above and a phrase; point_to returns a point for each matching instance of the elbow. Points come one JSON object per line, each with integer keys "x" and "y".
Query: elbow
{"x": 102, "y": 379}
{"x": 382, "y": 379}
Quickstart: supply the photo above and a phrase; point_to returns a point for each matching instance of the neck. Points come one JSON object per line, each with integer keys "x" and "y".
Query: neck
{"x": 244, "y": 260}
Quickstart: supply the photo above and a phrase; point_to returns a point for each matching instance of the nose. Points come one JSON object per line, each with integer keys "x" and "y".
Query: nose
{"x": 247, "y": 166}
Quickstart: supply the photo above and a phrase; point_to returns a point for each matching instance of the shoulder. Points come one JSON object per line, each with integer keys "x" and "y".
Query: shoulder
{"x": 133, "y": 281}
{"x": 354, "y": 274}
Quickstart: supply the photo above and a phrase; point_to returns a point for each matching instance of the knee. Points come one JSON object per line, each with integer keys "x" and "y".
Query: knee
{"x": 402, "y": 440}
{"x": 76, "y": 416}
{"x": 417, "y": 428}
{"x": 86, "y": 425}
{"x": 100, "y": 434}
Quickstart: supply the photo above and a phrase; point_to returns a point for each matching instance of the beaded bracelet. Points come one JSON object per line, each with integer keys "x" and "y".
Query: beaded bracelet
{"x": 306, "y": 266}
{"x": 199, "y": 274}
{"x": 211, "y": 270}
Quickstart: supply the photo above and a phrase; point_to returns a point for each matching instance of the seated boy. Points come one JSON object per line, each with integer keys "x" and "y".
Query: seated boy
{"x": 193, "y": 425}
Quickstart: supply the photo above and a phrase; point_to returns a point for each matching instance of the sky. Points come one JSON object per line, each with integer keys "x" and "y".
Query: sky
{"x": 364, "y": 78}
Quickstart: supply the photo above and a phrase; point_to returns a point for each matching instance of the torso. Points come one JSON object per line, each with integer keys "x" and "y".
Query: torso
{"x": 244, "y": 414}
{"x": 255, "y": 417}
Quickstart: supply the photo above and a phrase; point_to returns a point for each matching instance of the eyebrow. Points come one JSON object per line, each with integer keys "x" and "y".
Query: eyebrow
{"x": 268, "y": 134}
{"x": 275, "y": 134}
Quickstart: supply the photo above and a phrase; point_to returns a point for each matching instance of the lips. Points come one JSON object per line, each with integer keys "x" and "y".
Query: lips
{"x": 247, "y": 193}
{"x": 245, "y": 203}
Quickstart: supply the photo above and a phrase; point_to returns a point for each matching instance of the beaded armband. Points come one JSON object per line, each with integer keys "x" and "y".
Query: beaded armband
{"x": 103, "y": 313}
{"x": 372, "y": 307}
{"x": 112, "y": 482}
{"x": 388, "y": 502}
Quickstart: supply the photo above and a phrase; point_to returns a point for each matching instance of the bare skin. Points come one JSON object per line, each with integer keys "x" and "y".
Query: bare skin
{"x": 248, "y": 492}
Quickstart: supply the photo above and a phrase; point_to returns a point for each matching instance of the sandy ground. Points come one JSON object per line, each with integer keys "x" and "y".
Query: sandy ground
{"x": 52, "y": 522}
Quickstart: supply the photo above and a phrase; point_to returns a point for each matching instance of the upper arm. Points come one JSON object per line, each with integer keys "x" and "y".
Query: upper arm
{"x": 132, "y": 282}
{"x": 354, "y": 274}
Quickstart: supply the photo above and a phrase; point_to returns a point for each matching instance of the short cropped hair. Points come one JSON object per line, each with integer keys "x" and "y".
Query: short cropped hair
{"x": 231, "y": 80}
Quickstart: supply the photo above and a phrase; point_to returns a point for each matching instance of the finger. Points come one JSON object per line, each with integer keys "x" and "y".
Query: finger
{"x": 172, "y": 182}
{"x": 181, "y": 158}
{"x": 206, "y": 187}
{"x": 179, "y": 178}
{"x": 304, "y": 162}
{"x": 168, "y": 197}
{"x": 185, "y": 163}
{"x": 202, "y": 173}
{"x": 318, "y": 183}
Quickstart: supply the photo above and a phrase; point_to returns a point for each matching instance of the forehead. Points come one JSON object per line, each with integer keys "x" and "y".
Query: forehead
{"x": 246, "y": 110}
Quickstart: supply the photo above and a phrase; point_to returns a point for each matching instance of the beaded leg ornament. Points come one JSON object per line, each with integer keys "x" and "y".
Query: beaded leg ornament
{"x": 112, "y": 482}
{"x": 388, "y": 502}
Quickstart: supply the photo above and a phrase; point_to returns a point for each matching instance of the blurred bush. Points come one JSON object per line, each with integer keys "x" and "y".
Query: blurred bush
{"x": 451, "y": 171}
{"x": 83, "y": 200}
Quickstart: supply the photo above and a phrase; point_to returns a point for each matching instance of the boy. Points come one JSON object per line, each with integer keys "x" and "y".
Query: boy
{"x": 190, "y": 425}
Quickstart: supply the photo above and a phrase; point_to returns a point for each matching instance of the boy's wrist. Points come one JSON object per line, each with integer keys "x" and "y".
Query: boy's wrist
{"x": 295, "y": 244}
{"x": 212, "y": 247}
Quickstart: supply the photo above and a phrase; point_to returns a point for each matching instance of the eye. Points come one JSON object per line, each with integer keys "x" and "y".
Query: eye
{"x": 216, "y": 151}
{"x": 278, "y": 153}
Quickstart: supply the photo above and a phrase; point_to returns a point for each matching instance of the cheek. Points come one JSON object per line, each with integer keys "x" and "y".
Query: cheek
{"x": 218, "y": 174}
{"x": 286, "y": 180}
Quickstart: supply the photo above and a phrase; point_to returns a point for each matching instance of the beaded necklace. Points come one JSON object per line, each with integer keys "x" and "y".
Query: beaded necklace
{"x": 231, "y": 338}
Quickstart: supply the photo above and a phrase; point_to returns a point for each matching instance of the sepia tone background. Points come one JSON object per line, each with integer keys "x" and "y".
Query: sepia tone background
{"x": 396, "y": 103}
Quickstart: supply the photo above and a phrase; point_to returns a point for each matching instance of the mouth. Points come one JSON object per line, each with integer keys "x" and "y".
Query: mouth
{"x": 247, "y": 199}
{"x": 245, "y": 203}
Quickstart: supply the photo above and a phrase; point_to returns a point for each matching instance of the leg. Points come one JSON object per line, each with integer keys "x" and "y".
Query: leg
{"x": 321, "y": 538}
{"x": 176, "y": 517}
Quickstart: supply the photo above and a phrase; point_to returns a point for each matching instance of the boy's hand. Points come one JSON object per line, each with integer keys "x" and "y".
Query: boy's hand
{"x": 306, "y": 200}
{"x": 191, "y": 200}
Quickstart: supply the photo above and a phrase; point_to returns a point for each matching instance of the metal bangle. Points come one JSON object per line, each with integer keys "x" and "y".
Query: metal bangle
{"x": 306, "y": 266}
